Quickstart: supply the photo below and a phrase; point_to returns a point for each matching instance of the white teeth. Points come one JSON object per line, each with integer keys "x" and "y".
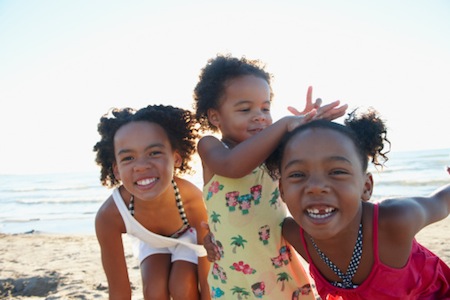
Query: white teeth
{"x": 313, "y": 211}
{"x": 316, "y": 213}
{"x": 146, "y": 181}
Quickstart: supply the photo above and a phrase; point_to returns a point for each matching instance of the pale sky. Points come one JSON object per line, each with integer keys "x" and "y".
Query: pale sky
{"x": 63, "y": 64}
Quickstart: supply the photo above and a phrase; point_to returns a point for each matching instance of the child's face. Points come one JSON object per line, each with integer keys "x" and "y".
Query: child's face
{"x": 144, "y": 158}
{"x": 244, "y": 109}
{"x": 322, "y": 182}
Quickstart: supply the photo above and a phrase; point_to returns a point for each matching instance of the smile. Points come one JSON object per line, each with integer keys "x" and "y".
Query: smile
{"x": 320, "y": 213}
{"x": 146, "y": 181}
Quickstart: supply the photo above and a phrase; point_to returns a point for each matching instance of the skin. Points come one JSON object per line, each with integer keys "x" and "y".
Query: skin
{"x": 144, "y": 163}
{"x": 326, "y": 191}
{"x": 245, "y": 122}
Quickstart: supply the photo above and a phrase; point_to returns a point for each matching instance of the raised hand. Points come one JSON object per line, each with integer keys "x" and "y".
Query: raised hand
{"x": 330, "y": 111}
{"x": 309, "y": 106}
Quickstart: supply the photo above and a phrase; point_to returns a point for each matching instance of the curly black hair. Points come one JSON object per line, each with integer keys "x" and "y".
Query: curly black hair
{"x": 367, "y": 131}
{"x": 212, "y": 83}
{"x": 179, "y": 124}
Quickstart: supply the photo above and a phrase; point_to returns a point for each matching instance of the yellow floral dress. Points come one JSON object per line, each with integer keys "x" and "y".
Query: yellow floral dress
{"x": 245, "y": 216}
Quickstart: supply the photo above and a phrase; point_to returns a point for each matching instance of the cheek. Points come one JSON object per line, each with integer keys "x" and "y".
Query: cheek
{"x": 289, "y": 196}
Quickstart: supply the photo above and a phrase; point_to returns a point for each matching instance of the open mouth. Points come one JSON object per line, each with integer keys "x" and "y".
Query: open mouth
{"x": 146, "y": 181}
{"x": 322, "y": 213}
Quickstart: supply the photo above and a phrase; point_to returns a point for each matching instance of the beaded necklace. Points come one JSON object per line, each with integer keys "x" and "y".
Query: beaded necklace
{"x": 347, "y": 282}
{"x": 181, "y": 211}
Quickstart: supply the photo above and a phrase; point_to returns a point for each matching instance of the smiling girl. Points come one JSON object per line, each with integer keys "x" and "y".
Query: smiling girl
{"x": 140, "y": 154}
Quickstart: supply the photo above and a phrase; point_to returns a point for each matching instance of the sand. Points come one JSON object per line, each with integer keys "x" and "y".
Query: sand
{"x": 49, "y": 266}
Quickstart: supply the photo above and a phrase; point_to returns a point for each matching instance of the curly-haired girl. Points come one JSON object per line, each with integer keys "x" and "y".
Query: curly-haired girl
{"x": 233, "y": 97}
{"x": 140, "y": 153}
{"x": 356, "y": 249}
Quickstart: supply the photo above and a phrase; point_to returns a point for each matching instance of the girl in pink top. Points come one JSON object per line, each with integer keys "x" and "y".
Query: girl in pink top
{"x": 356, "y": 249}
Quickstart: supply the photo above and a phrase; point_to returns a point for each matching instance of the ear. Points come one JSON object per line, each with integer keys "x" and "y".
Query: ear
{"x": 177, "y": 159}
{"x": 213, "y": 117}
{"x": 116, "y": 171}
{"x": 280, "y": 187}
{"x": 368, "y": 187}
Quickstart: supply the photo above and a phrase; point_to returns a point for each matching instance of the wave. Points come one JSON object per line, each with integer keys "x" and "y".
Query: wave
{"x": 410, "y": 182}
{"x": 60, "y": 218}
{"x": 50, "y": 189}
{"x": 60, "y": 200}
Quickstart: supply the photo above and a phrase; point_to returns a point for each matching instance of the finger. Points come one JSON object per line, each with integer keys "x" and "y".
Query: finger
{"x": 308, "y": 117}
{"x": 211, "y": 258}
{"x": 329, "y": 106}
{"x": 318, "y": 103}
{"x": 293, "y": 111}
{"x": 309, "y": 96}
{"x": 334, "y": 113}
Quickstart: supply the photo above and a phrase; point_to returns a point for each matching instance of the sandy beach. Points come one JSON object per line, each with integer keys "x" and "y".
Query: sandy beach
{"x": 50, "y": 266}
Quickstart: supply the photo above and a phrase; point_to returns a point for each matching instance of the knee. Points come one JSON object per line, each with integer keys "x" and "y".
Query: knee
{"x": 184, "y": 290}
{"x": 155, "y": 291}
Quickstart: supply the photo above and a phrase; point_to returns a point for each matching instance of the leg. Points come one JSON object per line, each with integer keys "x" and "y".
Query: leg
{"x": 155, "y": 271}
{"x": 183, "y": 281}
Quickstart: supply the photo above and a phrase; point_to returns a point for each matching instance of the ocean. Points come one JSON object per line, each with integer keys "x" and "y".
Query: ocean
{"x": 67, "y": 203}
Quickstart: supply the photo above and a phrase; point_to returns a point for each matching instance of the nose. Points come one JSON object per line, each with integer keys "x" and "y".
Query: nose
{"x": 260, "y": 116}
{"x": 142, "y": 163}
{"x": 316, "y": 185}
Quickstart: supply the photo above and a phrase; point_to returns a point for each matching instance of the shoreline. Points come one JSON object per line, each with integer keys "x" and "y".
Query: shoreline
{"x": 40, "y": 265}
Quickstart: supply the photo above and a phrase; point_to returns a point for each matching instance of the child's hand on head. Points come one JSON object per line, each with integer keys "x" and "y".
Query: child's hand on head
{"x": 331, "y": 111}
{"x": 296, "y": 121}
{"x": 309, "y": 106}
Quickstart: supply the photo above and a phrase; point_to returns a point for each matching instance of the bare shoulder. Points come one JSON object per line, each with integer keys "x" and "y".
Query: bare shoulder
{"x": 107, "y": 209}
{"x": 108, "y": 218}
{"x": 397, "y": 211}
{"x": 191, "y": 195}
{"x": 398, "y": 222}
{"x": 188, "y": 190}
{"x": 207, "y": 140}
{"x": 193, "y": 204}
{"x": 207, "y": 144}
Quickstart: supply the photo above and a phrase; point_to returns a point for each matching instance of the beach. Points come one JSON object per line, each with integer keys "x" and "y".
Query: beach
{"x": 57, "y": 266}
{"x": 60, "y": 266}
{"x": 48, "y": 248}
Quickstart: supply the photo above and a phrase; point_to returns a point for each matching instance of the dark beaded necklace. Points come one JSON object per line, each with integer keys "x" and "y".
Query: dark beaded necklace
{"x": 347, "y": 282}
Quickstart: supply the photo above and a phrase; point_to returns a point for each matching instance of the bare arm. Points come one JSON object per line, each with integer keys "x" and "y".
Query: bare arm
{"x": 246, "y": 156}
{"x": 409, "y": 215}
{"x": 109, "y": 235}
{"x": 196, "y": 214}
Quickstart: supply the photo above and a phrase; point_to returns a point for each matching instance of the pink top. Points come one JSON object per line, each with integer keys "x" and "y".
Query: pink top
{"x": 425, "y": 276}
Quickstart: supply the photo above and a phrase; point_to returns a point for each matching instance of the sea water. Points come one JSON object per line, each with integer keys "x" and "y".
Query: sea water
{"x": 67, "y": 203}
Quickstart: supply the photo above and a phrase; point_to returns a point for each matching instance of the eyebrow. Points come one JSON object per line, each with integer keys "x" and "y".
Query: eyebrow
{"x": 329, "y": 159}
{"x": 156, "y": 145}
{"x": 241, "y": 102}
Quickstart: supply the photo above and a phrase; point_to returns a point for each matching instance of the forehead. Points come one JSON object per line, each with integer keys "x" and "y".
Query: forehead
{"x": 317, "y": 143}
{"x": 248, "y": 84}
{"x": 140, "y": 131}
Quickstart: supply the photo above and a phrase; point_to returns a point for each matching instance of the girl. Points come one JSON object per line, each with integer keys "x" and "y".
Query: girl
{"x": 138, "y": 153}
{"x": 233, "y": 97}
{"x": 356, "y": 249}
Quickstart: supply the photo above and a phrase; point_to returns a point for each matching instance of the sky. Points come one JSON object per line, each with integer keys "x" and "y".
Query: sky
{"x": 63, "y": 64}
